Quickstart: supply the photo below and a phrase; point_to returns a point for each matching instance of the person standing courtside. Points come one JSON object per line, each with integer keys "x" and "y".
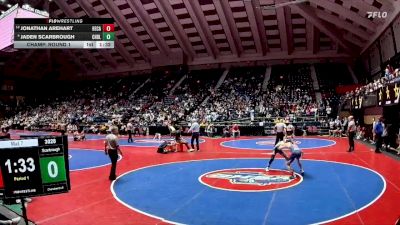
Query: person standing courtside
{"x": 373, "y": 131}
{"x": 111, "y": 148}
{"x": 195, "y": 129}
{"x": 378, "y": 130}
{"x": 290, "y": 131}
{"x": 280, "y": 128}
{"x": 171, "y": 129}
{"x": 129, "y": 128}
{"x": 351, "y": 129}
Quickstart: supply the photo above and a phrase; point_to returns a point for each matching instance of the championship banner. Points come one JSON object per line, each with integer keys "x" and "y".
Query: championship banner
{"x": 356, "y": 102}
{"x": 389, "y": 95}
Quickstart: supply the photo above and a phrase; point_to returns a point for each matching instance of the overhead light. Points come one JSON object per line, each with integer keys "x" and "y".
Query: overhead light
{"x": 9, "y": 5}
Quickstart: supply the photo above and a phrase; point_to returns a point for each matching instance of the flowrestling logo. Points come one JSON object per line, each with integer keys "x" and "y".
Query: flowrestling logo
{"x": 377, "y": 14}
{"x": 249, "y": 180}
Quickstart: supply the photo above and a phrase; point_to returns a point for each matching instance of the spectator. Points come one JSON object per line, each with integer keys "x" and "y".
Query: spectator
{"x": 378, "y": 130}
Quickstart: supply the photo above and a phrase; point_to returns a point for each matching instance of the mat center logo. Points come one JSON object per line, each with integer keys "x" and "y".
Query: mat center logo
{"x": 249, "y": 180}
{"x": 272, "y": 142}
{"x": 149, "y": 141}
{"x": 265, "y": 143}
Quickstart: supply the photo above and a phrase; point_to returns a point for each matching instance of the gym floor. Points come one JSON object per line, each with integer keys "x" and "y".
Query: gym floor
{"x": 225, "y": 184}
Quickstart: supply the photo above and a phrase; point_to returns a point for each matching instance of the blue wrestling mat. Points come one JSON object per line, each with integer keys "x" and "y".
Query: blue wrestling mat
{"x": 82, "y": 159}
{"x": 90, "y": 137}
{"x": 268, "y": 143}
{"x": 31, "y": 133}
{"x": 239, "y": 192}
{"x": 150, "y": 142}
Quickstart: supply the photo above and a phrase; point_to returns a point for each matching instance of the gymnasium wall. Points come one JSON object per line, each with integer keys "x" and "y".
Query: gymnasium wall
{"x": 381, "y": 51}
{"x": 374, "y": 55}
{"x": 387, "y": 45}
{"x": 371, "y": 113}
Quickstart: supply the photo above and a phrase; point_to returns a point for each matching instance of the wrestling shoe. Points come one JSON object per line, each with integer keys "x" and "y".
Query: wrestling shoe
{"x": 15, "y": 220}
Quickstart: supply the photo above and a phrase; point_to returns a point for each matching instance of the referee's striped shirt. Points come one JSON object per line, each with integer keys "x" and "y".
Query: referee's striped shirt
{"x": 195, "y": 127}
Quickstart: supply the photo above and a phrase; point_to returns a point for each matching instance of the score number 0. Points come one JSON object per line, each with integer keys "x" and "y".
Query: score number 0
{"x": 108, "y": 27}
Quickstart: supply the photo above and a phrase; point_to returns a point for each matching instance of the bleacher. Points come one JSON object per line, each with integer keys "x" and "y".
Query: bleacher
{"x": 240, "y": 98}
{"x": 238, "y": 93}
{"x": 198, "y": 85}
{"x": 329, "y": 77}
{"x": 294, "y": 76}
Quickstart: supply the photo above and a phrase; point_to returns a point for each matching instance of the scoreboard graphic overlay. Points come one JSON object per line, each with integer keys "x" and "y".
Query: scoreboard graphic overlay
{"x": 34, "y": 166}
{"x": 90, "y": 33}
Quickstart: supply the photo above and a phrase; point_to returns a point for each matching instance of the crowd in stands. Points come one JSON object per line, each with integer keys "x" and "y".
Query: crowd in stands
{"x": 243, "y": 95}
{"x": 391, "y": 76}
{"x": 289, "y": 94}
{"x": 193, "y": 91}
{"x": 235, "y": 98}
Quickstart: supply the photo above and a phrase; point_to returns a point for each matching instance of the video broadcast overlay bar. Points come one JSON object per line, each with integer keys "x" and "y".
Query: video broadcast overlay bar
{"x": 22, "y": 28}
{"x": 63, "y": 44}
{"x": 95, "y": 33}
{"x": 65, "y": 36}
{"x": 44, "y": 21}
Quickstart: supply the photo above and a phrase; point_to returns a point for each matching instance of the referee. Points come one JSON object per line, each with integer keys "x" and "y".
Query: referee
{"x": 280, "y": 129}
{"x": 111, "y": 148}
{"x": 351, "y": 128}
{"x": 129, "y": 127}
{"x": 195, "y": 129}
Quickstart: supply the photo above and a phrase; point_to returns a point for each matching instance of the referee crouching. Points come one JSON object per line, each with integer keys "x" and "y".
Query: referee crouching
{"x": 195, "y": 129}
{"x": 111, "y": 148}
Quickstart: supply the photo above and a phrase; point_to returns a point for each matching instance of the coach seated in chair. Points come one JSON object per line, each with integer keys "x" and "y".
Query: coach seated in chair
{"x": 304, "y": 128}
{"x": 235, "y": 131}
{"x": 136, "y": 131}
{"x": 226, "y": 132}
{"x": 210, "y": 130}
{"x": 5, "y": 134}
{"x": 337, "y": 132}
{"x": 395, "y": 147}
{"x": 79, "y": 136}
